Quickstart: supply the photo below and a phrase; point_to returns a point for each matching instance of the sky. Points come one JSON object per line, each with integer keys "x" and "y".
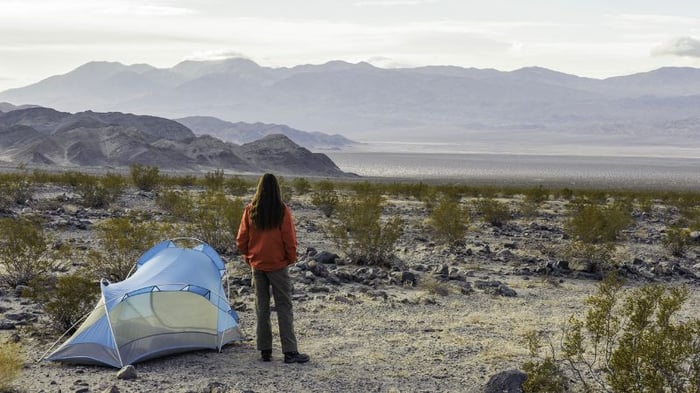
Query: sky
{"x": 593, "y": 38}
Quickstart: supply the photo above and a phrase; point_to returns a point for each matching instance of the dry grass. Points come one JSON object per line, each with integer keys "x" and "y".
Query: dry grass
{"x": 11, "y": 363}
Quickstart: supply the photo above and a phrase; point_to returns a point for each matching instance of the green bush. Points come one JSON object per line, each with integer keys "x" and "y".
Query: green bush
{"x": 123, "y": 240}
{"x": 238, "y": 186}
{"x": 301, "y": 186}
{"x": 11, "y": 364}
{"x": 214, "y": 220}
{"x": 67, "y": 300}
{"x": 99, "y": 192}
{"x": 536, "y": 195}
{"x": 544, "y": 375}
{"x": 16, "y": 191}
{"x": 591, "y": 258}
{"x": 145, "y": 178}
{"x": 492, "y": 211}
{"x": 23, "y": 252}
{"x": 595, "y": 224}
{"x": 676, "y": 240}
{"x": 449, "y": 219}
{"x": 325, "y": 198}
{"x": 178, "y": 204}
{"x": 634, "y": 343}
{"x": 360, "y": 232}
{"x": 214, "y": 181}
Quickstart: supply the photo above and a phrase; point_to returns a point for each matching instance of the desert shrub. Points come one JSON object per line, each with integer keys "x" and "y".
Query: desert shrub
{"x": 435, "y": 287}
{"x": 18, "y": 189}
{"x": 238, "y": 186}
{"x": 591, "y": 258}
{"x": 122, "y": 240}
{"x": 449, "y": 219}
{"x": 544, "y": 375}
{"x": 301, "y": 186}
{"x": 23, "y": 251}
{"x": 181, "y": 181}
{"x": 67, "y": 300}
{"x": 115, "y": 184}
{"x": 178, "y": 204}
{"x": 565, "y": 193}
{"x": 595, "y": 224}
{"x": 214, "y": 181}
{"x": 11, "y": 364}
{"x": 145, "y": 177}
{"x": 492, "y": 211}
{"x": 635, "y": 344}
{"x": 359, "y": 231}
{"x": 215, "y": 220}
{"x": 645, "y": 203}
{"x": 536, "y": 195}
{"x": 365, "y": 188}
{"x": 286, "y": 188}
{"x": 676, "y": 241}
{"x": 100, "y": 192}
{"x": 325, "y": 198}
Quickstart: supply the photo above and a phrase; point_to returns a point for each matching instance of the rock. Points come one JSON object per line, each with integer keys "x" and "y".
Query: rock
{"x": 695, "y": 236}
{"x": 510, "y": 381}
{"x": 495, "y": 288}
{"x": 318, "y": 269}
{"x": 504, "y": 255}
{"x": 325, "y": 257}
{"x": 465, "y": 287}
{"x": 20, "y": 290}
{"x": 403, "y": 278}
{"x": 456, "y": 275}
{"x": 7, "y": 325}
{"x": 111, "y": 389}
{"x": 442, "y": 270}
{"x": 127, "y": 373}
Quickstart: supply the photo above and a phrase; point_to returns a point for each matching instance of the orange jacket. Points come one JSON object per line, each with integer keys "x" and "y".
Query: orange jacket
{"x": 268, "y": 250}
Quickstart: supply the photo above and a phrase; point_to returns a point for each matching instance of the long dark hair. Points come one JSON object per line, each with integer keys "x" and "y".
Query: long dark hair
{"x": 267, "y": 210}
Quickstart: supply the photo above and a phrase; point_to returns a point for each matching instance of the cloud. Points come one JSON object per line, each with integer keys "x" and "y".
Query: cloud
{"x": 216, "y": 55}
{"x": 679, "y": 46}
{"x": 391, "y": 3}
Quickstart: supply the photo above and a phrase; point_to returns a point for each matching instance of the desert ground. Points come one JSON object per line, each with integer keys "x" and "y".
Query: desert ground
{"x": 450, "y": 331}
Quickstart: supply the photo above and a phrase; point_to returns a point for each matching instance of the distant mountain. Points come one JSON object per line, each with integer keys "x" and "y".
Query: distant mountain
{"x": 7, "y": 107}
{"x": 363, "y": 102}
{"x": 44, "y": 136}
{"x": 241, "y": 132}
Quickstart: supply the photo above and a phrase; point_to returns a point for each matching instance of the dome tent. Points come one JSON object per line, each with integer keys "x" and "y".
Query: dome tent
{"x": 174, "y": 302}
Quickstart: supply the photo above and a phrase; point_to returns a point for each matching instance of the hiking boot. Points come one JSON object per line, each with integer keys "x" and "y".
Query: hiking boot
{"x": 295, "y": 357}
{"x": 266, "y": 355}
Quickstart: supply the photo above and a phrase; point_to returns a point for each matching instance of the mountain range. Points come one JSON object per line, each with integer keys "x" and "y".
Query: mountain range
{"x": 45, "y": 136}
{"x": 363, "y": 102}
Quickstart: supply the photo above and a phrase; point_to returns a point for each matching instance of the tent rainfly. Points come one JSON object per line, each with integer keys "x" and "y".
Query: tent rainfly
{"x": 174, "y": 302}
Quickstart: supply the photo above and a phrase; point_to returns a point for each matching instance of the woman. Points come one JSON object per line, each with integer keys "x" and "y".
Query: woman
{"x": 268, "y": 242}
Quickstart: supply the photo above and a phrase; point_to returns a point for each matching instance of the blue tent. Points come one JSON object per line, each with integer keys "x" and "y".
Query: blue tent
{"x": 174, "y": 302}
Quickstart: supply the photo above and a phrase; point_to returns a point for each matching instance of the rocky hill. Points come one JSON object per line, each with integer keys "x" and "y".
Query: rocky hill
{"x": 44, "y": 136}
{"x": 242, "y": 132}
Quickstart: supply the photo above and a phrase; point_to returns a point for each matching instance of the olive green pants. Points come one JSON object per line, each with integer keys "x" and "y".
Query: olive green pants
{"x": 282, "y": 292}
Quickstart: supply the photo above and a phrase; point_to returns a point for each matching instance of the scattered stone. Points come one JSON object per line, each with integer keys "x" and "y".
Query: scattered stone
{"x": 510, "y": 381}
{"x": 127, "y": 373}
{"x": 111, "y": 389}
{"x": 216, "y": 387}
